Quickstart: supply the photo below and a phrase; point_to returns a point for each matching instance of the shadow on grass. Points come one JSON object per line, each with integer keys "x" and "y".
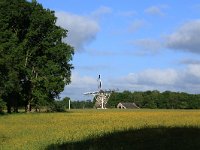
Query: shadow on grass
{"x": 159, "y": 138}
{"x": 2, "y": 113}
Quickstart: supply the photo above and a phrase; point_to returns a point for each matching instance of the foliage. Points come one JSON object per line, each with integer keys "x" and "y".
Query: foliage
{"x": 56, "y": 106}
{"x": 2, "y": 106}
{"x": 82, "y": 104}
{"x": 34, "y": 60}
{"x": 156, "y": 99}
{"x": 38, "y": 131}
{"x": 63, "y": 105}
{"x": 76, "y": 104}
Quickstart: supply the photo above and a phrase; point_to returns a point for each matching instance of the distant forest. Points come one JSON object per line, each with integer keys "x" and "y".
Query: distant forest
{"x": 148, "y": 99}
{"x": 156, "y": 99}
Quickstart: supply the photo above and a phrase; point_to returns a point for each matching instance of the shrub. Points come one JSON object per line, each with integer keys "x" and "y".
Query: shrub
{"x": 2, "y": 105}
{"x": 56, "y": 106}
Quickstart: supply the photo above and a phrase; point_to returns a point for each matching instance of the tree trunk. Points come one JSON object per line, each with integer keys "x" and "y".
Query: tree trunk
{"x": 8, "y": 108}
{"x": 16, "y": 109}
{"x": 28, "y": 107}
{"x": 15, "y": 98}
{"x": 9, "y": 104}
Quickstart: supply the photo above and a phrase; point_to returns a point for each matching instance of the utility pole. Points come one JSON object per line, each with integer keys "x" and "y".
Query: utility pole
{"x": 69, "y": 104}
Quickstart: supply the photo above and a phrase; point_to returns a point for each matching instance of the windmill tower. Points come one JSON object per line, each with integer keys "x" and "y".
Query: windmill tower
{"x": 101, "y": 96}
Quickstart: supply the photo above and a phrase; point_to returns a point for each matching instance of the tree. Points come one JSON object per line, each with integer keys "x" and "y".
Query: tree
{"x": 34, "y": 60}
{"x": 10, "y": 50}
{"x": 138, "y": 98}
{"x": 2, "y": 106}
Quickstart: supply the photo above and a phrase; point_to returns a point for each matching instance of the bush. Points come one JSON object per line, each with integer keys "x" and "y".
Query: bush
{"x": 59, "y": 106}
{"x": 2, "y": 105}
{"x": 56, "y": 106}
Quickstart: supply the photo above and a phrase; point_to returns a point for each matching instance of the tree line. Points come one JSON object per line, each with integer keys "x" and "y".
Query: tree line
{"x": 144, "y": 99}
{"x": 76, "y": 104}
{"x": 147, "y": 99}
{"x": 155, "y": 99}
{"x": 34, "y": 61}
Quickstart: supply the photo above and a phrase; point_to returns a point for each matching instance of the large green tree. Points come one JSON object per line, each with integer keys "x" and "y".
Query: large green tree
{"x": 34, "y": 60}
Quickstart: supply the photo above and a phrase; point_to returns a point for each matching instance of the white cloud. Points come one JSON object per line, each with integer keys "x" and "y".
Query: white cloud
{"x": 189, "y": 61}
{"x": 186, "y": 80}
{"x": 186, "y": 38}
{"x": 82, "y": 30}
{"x": 97, "y": 67}
{"x": 132, "y": 27}
{"x": 101, "y": 11}
{"x": 154, "y": 76}
{"x": 79, "y": 85}
{"x": 100, "y": 53}
{"x": 79, "y": 81}
{"x": 155, "y": 10}
{"x": 127, "y": 13}
{"x": 136, "y": 25}
{"x": 147, "y": 46}
{"x": 194, "y": 70}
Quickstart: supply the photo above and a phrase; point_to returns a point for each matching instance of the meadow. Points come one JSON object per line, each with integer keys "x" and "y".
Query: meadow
{"x": 101, "y": 129}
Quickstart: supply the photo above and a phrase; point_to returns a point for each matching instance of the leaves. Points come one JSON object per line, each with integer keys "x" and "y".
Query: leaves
{"x": 156, "y": 99}
{"x": 34, "y": 60}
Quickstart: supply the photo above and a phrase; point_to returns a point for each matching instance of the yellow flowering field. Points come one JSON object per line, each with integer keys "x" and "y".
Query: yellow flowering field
{"x": 39, "y": 130}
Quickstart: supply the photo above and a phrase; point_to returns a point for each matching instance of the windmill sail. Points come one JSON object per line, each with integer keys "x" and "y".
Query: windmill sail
{"x": 101, "y": 96}
{"x": 100, "y": 83}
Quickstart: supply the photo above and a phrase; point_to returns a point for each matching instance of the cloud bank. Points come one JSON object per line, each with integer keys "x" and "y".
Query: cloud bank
{"x": 186, "y": 38}
{"x": 101, "y": 11}
{"x": 186, "y": 80}
{"x": 156, "y": 10}
{"x": 82, "y": 30}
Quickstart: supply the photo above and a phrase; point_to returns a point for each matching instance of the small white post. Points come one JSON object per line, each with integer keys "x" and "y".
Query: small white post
{"x": 69, "y": 104}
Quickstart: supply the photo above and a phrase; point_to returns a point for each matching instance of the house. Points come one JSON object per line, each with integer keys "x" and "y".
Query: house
{"x": 127, "y": 106}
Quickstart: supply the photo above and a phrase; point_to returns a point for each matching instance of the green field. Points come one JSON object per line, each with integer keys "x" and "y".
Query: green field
{"x": 102, "y": 129}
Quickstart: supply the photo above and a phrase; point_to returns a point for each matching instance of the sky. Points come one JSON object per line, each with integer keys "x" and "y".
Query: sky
{"x": 134, "y": 45}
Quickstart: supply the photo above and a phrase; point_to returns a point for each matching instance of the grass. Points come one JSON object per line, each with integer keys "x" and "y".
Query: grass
{"x": 79, "y": 128}
{"x": 153, "y": 138}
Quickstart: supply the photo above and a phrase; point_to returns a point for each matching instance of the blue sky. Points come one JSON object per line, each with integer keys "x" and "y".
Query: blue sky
{"x": 134, "y": 45}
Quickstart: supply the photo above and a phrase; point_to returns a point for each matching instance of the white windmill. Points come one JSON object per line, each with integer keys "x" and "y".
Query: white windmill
{"x": 101, "y": 96}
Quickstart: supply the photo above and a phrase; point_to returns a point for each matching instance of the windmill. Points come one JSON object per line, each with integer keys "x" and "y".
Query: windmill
{"x": 101, "y": 96}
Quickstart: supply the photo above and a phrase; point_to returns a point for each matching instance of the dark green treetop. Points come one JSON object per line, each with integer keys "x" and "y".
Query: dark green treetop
{"x": 34, "y": 60}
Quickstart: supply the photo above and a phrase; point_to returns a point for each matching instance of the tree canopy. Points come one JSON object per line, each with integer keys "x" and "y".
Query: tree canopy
{"x": 34, "y": 60}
